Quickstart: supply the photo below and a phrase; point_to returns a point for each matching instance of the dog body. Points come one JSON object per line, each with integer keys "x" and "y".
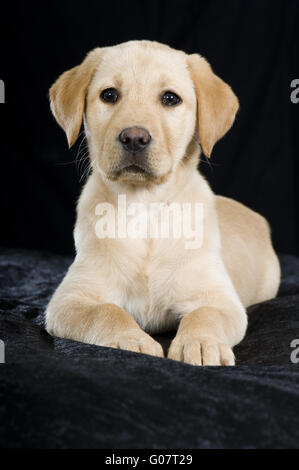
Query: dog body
{"x": 144, "y": 105}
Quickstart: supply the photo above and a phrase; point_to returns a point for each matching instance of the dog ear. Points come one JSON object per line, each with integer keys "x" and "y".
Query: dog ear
{"x": 67, "y": 95}
{"x": 217, "y": 103}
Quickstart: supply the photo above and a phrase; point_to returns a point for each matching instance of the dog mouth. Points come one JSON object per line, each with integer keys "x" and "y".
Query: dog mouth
{"x": 134, "y": 169}
{"x": 131, "y": 170}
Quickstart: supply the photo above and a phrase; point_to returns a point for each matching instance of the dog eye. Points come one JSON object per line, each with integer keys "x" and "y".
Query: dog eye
{"x": 110, "y": 95}
{"x": 170, "y": 99}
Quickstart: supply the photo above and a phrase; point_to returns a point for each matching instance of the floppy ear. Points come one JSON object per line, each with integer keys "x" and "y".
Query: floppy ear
{"x": 67, "y": 95}
{"x": 217, "y": 103}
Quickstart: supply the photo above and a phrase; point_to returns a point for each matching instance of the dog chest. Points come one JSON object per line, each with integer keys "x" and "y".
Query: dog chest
{"x": 146, "y": 282}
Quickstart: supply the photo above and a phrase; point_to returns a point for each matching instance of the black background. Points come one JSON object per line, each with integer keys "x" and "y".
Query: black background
{"x": 253, "y": 45}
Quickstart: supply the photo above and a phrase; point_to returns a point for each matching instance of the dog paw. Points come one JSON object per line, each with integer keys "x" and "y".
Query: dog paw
{"x": 141, "y": 343}
{"x": 201, "y": 352}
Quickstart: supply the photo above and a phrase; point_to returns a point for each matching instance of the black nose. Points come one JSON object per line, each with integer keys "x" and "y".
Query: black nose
{"x": 134, "y": 139}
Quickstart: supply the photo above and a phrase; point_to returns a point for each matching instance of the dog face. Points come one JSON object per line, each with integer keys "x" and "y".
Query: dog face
{"x": 138, "y": 100}
{"x": 143, "y": 104}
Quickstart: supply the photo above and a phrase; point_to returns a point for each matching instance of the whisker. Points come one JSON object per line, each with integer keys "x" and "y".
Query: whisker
{"x": 87, "y": 170}
{"x": 207, "y": 161}
{"x": 203, "y": 158}
{"x": 82, "y": 141}
{"x": 82, "y": 148}
{"x": 82, "y": 161}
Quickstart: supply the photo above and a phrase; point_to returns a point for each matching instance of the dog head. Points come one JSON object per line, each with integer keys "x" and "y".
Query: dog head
{"x": 143, "y": 104}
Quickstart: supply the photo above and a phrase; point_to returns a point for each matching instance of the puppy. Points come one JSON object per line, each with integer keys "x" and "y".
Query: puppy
{"x": 146, "y": 108}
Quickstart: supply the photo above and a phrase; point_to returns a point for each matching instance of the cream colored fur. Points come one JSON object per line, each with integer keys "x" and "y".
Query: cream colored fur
{"x": 118, "y": 292}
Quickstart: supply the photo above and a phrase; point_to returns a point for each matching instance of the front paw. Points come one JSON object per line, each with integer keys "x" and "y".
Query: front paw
{"x": 137, "y": 342}
{"x": 199, "y": 351}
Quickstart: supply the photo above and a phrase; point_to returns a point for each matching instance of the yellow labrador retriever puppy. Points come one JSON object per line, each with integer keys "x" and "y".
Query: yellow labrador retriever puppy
{"x": 146, "y": 107}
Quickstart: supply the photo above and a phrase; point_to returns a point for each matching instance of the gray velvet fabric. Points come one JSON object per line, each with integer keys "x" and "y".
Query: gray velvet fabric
{"x": 56, "y": 393}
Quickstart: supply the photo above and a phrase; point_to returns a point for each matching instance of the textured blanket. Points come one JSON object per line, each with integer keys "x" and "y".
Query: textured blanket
{"x": 56, "y": 393}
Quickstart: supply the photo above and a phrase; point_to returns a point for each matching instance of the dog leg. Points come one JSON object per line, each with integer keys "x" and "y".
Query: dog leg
{"x": 206, "y": 337}
{"x": 103, "y": 325}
